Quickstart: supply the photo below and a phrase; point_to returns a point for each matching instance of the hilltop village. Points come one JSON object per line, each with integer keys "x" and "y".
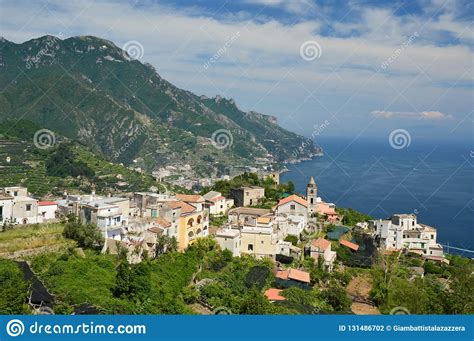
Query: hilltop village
{"x": 274, "y": 242}
{"x": 137, "y": 220}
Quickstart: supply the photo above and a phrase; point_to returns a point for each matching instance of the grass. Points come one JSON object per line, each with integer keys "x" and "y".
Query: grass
{"x": 32, "y": 237}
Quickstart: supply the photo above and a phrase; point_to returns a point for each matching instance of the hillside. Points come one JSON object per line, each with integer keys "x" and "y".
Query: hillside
{"x": 21, "y": 163}
{"x": 88, "y": 89}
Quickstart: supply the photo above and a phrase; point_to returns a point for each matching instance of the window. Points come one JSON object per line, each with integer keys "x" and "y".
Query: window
{"x": 261, "y": 242}
{"x": 312, "y": 200}
{"x": 432, "y": 236}
{"x": 250, "y": 247}
{"x": 28, "y": 207}
{"x": 15, "y": 193}
{"x": 292, "y": 207}
{"x": 413, "y": 223}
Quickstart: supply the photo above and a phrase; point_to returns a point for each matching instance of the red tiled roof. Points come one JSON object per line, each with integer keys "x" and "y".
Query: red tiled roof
{"x": 190, "y": 197}
{"x": 156, "y": 229}
{"x": 274, "y": 294}
{"x": 47, "y": 203}
{"x": 295, "y": 198}
{"x": 217, "y": 198}
{"x": 185, "y": 208}
{"x": 298, "y": 275}
{"x": 294, "y": 274}
{"x": 282, "y": 274}
{"x": 163, "y": 222}
{"x": 321, "y": 243}
{"x": 350, "y": 245}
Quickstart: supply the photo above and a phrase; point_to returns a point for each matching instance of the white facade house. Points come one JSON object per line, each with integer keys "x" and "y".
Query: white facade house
{"x": 229, "y": 239}
{"x": 321, "y": 248}
{"x": 47, "y": 210}
{"x": 24, "y": 209}
{"x": 6, "y": 209}
{"x": 292, "y": 205}
{"x": 216, "y": 203}
{"x": 403, "y": 231}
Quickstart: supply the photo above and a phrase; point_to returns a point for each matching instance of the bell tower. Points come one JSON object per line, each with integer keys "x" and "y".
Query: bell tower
{"x": 311, "y": 195}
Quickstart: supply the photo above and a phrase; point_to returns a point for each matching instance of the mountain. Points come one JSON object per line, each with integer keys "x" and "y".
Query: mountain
{"x": 88, "y": 89}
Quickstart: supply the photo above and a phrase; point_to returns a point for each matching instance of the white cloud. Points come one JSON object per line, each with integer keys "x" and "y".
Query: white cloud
{"x": 424, "y": 115}
{"x": 291, "y": 6}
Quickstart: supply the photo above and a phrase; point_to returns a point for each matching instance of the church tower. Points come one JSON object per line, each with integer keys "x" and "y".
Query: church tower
{"x": 311, "y": 195}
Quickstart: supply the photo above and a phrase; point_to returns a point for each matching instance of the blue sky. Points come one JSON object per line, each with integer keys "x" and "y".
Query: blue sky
{"x": 377, "y": 65}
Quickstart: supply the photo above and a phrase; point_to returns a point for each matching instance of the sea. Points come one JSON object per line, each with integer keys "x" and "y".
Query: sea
{"x": 433, "y": 179}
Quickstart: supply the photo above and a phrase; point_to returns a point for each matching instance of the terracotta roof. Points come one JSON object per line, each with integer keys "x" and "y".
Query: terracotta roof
{"x": 217, "y": 198}
{"x": 47, "y": 203}
{"x": 321, "y": 243}
{"x": 294, "y": 274}
{"x": 295, "y": 198}
{"x": 156, "y": 229}
{"x": 163, "y": 222}
{"x": 298, "y": 275}
{"x": 350, "y": 245}
{"x": 263, "y": 220}
{"x": 185, "y": 208}
{"x": 273, "y": 294}
{"x": 326, "y": 210}
{"x": 282, "y": 274}
{"x": 190, "y": 197}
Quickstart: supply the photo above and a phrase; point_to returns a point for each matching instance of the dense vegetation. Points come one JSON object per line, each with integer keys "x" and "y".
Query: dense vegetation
{"x": 62, "y": 162}
{"x": 67, "y": 166}
{"x": 86, "y": 235}
{"x": 14, "y": 290}
{"x": 445, "y": 289}
{"x": 351, "y": 216}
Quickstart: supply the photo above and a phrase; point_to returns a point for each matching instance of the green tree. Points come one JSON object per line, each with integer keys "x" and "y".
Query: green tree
{"x": 255, "y": 303}
{"x": 86, "y": 235}
{"x": 14, "y": 290}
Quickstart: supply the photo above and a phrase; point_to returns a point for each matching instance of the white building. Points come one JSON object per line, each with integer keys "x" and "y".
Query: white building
{"x": 47, "y": 210}
{"x": 294, "y": 205}
{"x": 217, "y": 203}
{"x": 322, "y": 248}
{"x": 402, "y": 231}
{"x": 6, "y": 209}
{"x": 229, "y": 239}
{"x": 24, "y": 209}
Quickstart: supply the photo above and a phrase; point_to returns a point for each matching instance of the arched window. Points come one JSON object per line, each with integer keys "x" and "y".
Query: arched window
{"x": 191, "y": 222}
{"x": 199, "y": 219}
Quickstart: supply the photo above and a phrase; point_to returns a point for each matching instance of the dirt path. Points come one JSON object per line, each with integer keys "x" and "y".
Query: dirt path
{"x": 359, "y": 290}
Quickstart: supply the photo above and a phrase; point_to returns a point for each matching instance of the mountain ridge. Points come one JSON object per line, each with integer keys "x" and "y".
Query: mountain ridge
{"x": 87, "y": 88}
